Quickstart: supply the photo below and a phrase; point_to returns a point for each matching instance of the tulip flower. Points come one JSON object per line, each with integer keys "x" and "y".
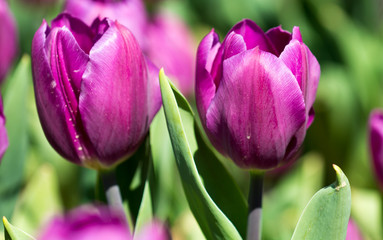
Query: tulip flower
{"x": 130, "y": 13}
{"x": 353, "y": 232}
{"x": 3, "y": 132}
{"x": 170, "y": 44}
{"x": 255, "y": 93}
{"x": 95, "y": 92}
{"x": 98, "y": 223}
{"x": 8, "y": 39}
{"x": 376, "y": 143}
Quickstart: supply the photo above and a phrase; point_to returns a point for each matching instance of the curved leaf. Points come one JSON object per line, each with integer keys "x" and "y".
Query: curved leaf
{"x": 214, "y": 224}
{"x": 326, "y": 215}
{"x": 14, "y": 233}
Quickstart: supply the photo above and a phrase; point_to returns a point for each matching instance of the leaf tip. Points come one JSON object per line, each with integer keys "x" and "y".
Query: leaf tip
{"x": 341, "y": 177}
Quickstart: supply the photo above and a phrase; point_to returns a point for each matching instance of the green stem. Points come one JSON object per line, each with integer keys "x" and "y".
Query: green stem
{"x": 112, "y": 192}
{"x": 255, "y": 206}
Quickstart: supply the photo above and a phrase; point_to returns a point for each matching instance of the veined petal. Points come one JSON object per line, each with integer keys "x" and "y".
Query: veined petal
{"x": 279, "y": 37}
{"x": 256, "y": 111}
{"x": 306, "y": 69}
{"x": 234, "y": 44}
{"x": 253, "y": 36}
{"x": 52, "y": 71}
{"x": 205, "y": 87}
{"x": 154, "y": 92}
{"x": 113, "y": 100}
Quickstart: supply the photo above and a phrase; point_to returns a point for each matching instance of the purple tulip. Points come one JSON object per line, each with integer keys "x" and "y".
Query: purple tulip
{"x": 353, "y": 232}
{"x": 3, "y": 132}
{"x": 98, "y": 223}
{"x": 376, "y": 143}
{"x": 130, "y": 13}
{"x": 87, "y": 223}
{"x": 170, "y": 44}
{"x": 8, "y": 39}
{"x": 255, "y": 93}
{"x": 96, "y": 95}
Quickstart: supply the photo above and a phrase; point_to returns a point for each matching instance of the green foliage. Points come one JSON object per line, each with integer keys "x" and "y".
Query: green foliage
{"x": 14, "y": 233}
{"x": 326, "y": 215}
{"x": 212, "y": 221}
{"x": 15, "y": 110}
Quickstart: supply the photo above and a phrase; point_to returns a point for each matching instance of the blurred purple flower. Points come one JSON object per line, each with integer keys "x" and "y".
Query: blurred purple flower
{"x": 170, "y": 44}
{"x": 255, "y": 93}
{"x": 3, "y": 132}
{"x": 153, "y": 231}
{"x": 376, "y": 143}
{"x": 8, "y": 39}
{"x": 353, "y": 232}
{"x": 96, "y": 95}
{"x": 87, "y": 223}
{"x": 131, "y": 13}
{"x": 98, "y": 223}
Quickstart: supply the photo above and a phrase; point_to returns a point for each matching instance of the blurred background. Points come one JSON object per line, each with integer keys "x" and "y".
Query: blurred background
{"x": 346, "y": 36}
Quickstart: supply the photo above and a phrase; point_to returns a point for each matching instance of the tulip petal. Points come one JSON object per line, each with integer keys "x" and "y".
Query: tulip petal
{"x": 205, "y": 87}
{"x": 3, "y": 132}
{"x": 279, "y": 37}
{"x": 253, "y": 36}
{"x": 154, "y": 92}
{"x": 55, "y": 103}
{"x": 376, "y": 143}
{"x": 113, "y": 99}
{"x": 82, "y": 33}
{"x": 256, "y": 111}
{"x": 304, "y": 66}
{"x": 234, "y": 44}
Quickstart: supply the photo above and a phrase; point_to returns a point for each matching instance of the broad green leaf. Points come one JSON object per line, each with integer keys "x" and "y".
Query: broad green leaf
{"x": 326, "y": 215}
{"x": 145, "y": 214}
{"x": 214, "y": 224}
{"x": 15, "y": 110}
{"x": 14, "y": 233}
{"x": 228, "y": 198}
{"x": 39, "y": 201}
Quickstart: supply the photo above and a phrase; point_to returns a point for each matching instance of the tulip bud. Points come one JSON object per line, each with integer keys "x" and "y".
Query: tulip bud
{"x": 3, "y": 132}
{"x": 98, "y": 223}
{"x": 87, "y": 222}
{"x": 130, "y": 13}
{"x": 170, "y": 44}
{"x": 255, "y": 93}
{"x": 95, "y": 93}
{"x": 8, "y": 39}
{"x": 376, "y": 143}
{"x": 353, "y": 232}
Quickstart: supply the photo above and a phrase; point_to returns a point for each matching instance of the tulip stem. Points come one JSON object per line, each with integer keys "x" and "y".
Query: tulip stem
{"x": 255, "y": 206}
{"x": 112, "y": 191}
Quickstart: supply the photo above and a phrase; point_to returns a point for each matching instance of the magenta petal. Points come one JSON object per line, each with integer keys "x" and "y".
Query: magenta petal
{"x": 234, "y": 44}
{"x": 8, "y": 39}
{"x": 113, "y": 101}
{"x": 205, "y": 87}
{"x": 154, "y": 91}
{"x": 256, "y": 111}
{"x": 279, "y": 37}
{"x": 297, "y": 34}
{"x": 376, "y": 143}
{"x": 3, "y": 133}
{"x": 253, "y": 36}
{"x": 52, "y": 99}
{"x": 82, "y": 33}
{"x": 306, "y": 69}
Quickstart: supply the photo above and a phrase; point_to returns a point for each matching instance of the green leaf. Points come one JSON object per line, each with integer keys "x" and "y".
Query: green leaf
{"x": 15, "y": 110}
{"x": 225, "y": 197}
{"x": 39, "y": 201}
{"x": 326, "y": 215}
{"x": 14, "y": 233}
{"x": 214, "y": 224}
{"x": 145, "y": 214}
